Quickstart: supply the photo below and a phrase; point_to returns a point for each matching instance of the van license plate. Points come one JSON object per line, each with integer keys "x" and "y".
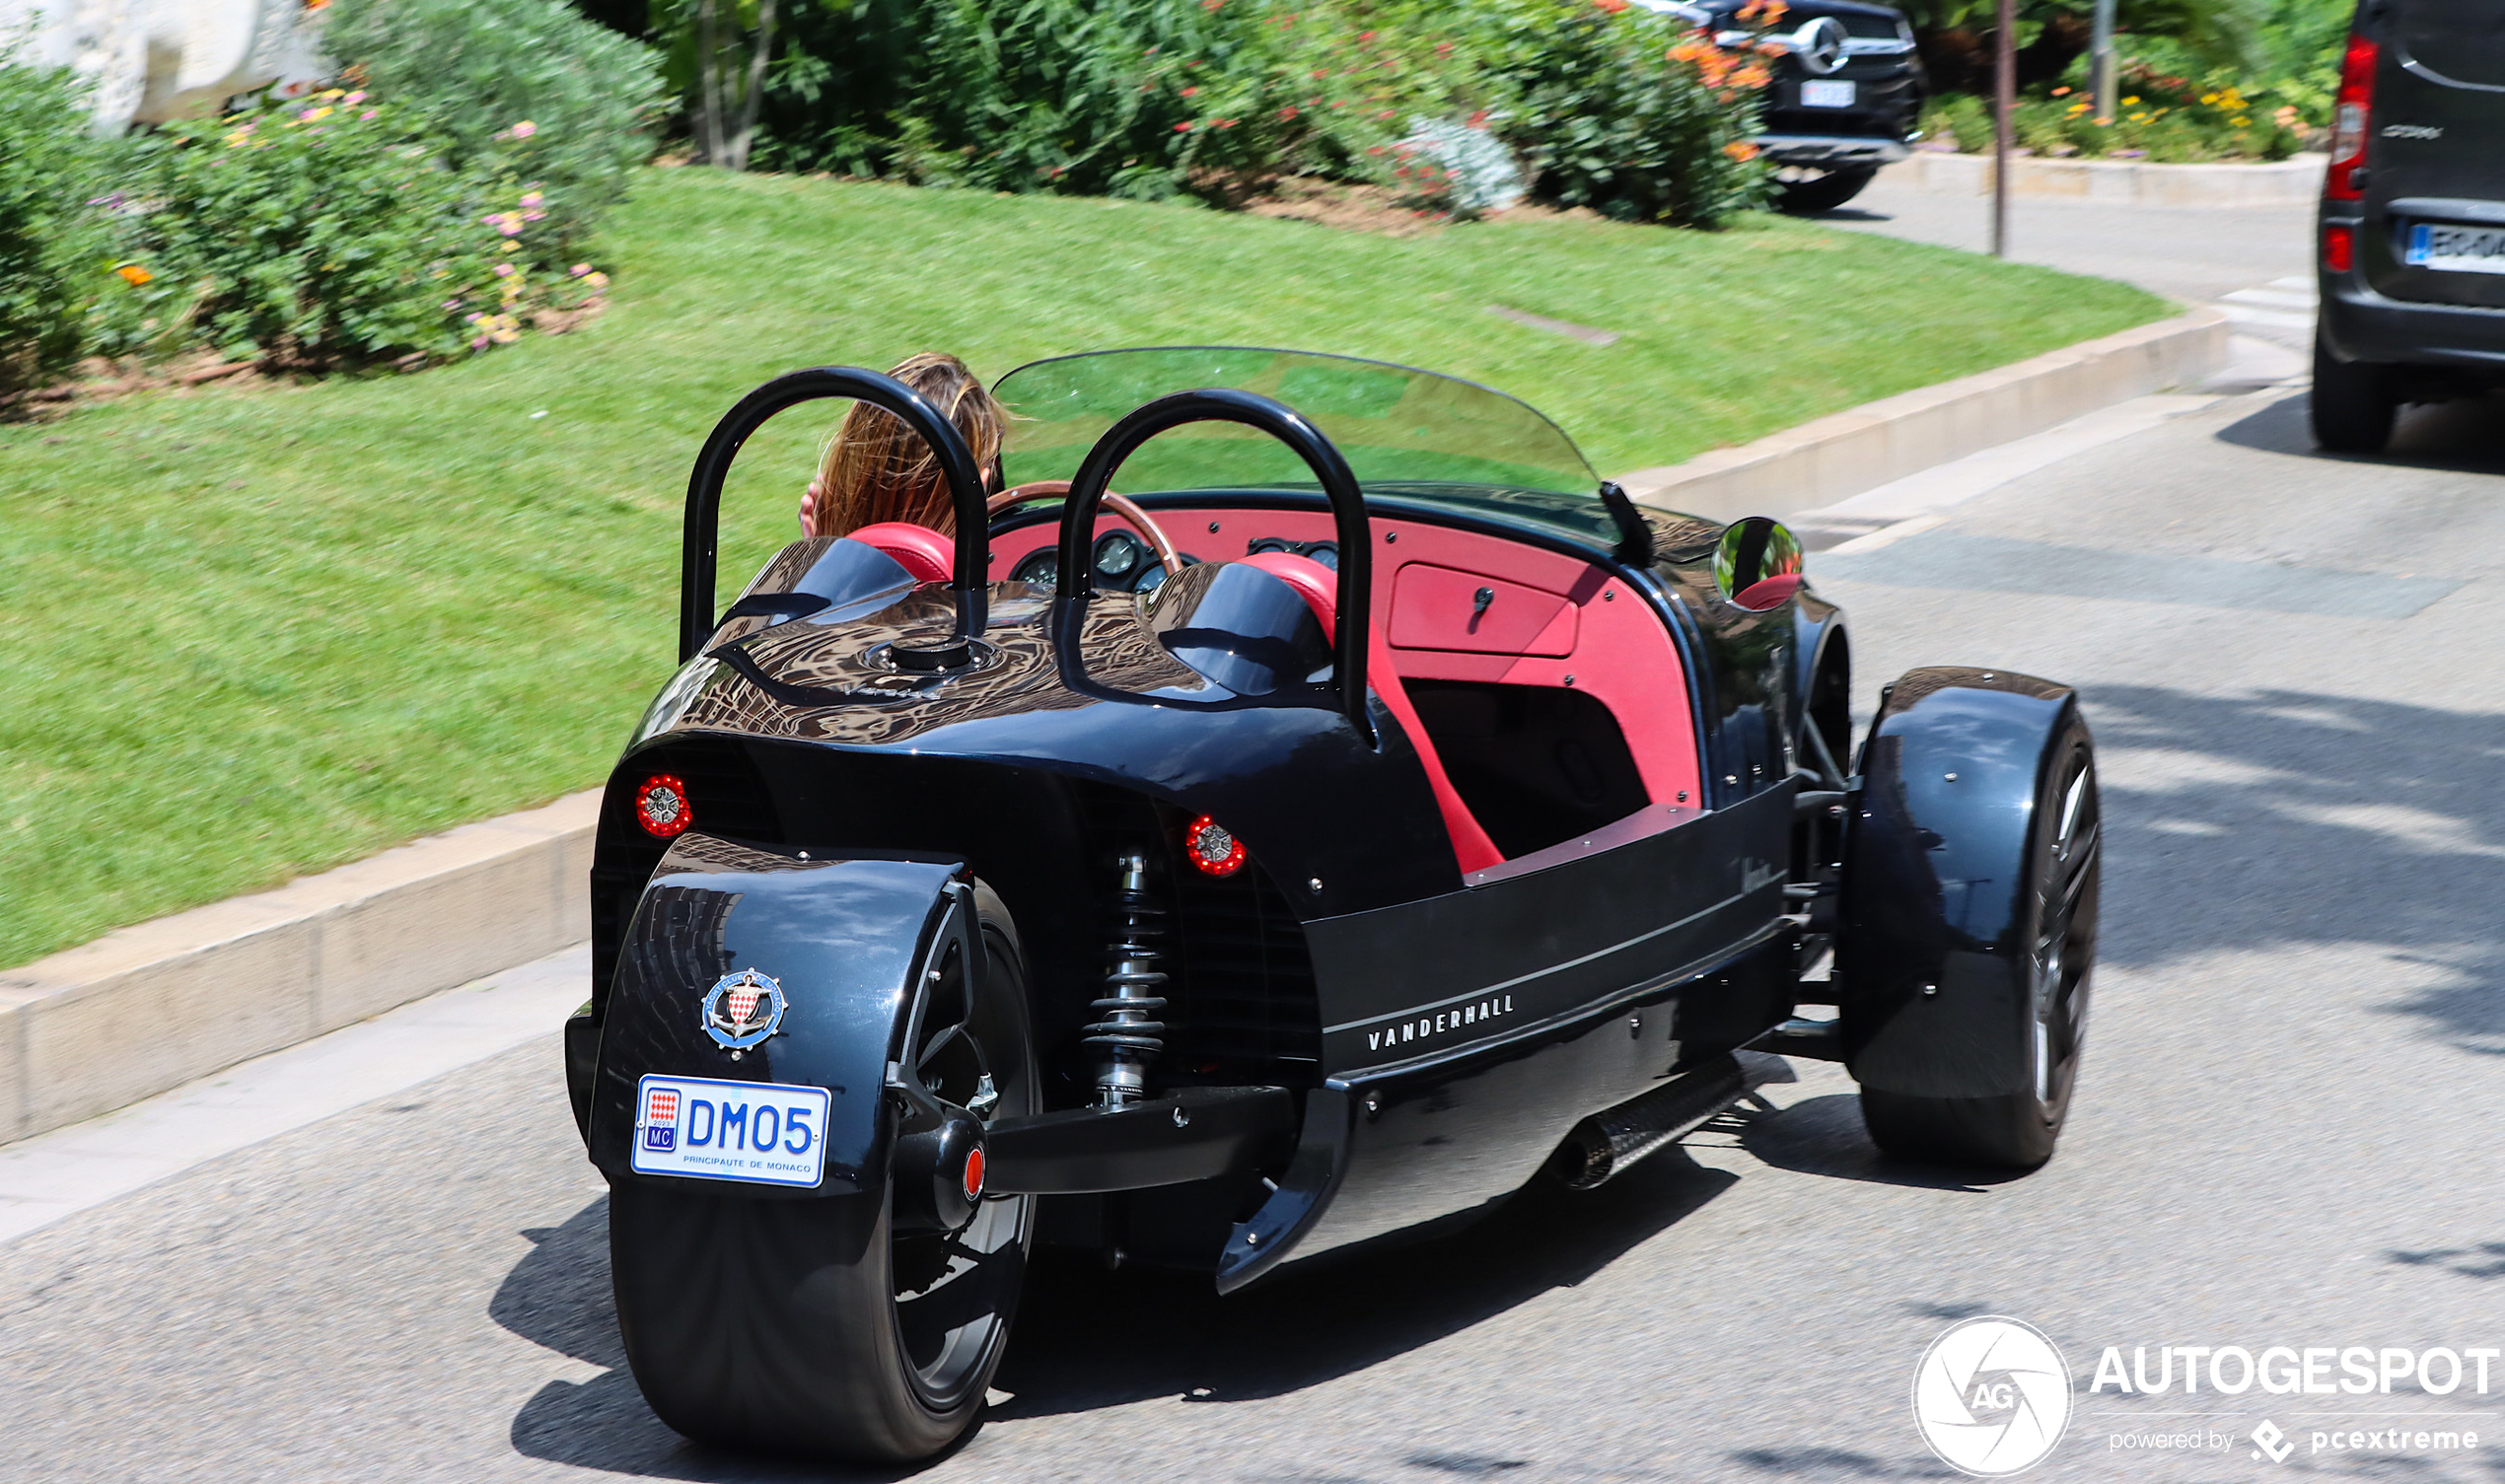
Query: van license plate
{"x": 1827, "y": 93}
{"x": 2456, "y": 249}
{"x": 758, "y": 1133}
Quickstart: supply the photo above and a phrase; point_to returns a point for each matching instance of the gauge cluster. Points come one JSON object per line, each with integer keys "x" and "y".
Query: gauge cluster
{"x": 1123, "y": 563}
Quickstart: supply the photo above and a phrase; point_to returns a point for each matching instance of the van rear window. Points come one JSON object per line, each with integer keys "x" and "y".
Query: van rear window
{"x": 2461, "y": 40}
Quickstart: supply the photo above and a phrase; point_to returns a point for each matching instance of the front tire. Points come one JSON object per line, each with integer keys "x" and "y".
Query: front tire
{"x": 812, "y": 1327}
{"x": 2018, "y": 1130}
{"x": 1805, "y": 191}
{"x": 2352, "y": 406}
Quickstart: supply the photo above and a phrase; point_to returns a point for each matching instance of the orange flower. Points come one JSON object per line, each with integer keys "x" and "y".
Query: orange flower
{"x": 1741, "y": 149}
{"x": 134, "y": 275}
{"x": 1609, "y": 7}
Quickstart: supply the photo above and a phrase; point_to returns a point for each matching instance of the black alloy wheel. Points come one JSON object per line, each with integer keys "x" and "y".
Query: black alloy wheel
{"x": 1806, "y": 189}
{"x": 2352, "y": 406}
{"x": 2018, "y": 1130}
{"x": 816, "y": 1327}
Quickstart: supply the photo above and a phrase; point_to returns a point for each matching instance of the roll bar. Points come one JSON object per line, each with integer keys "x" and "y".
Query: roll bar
{"x": 700, "y": 548}
{"x": 1282, "y": 422}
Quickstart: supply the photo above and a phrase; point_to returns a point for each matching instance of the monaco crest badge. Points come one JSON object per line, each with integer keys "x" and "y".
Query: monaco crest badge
{"x": 743, "y": 1010}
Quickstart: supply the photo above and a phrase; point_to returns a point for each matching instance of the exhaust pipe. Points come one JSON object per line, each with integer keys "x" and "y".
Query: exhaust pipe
{"x": 1606, "y": 1143}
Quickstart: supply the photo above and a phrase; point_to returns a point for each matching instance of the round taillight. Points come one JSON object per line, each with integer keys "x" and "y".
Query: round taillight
{"x": 661, "y": 808}
{"x": 975, "y": 1174}
{"x": 1212, "y": 847}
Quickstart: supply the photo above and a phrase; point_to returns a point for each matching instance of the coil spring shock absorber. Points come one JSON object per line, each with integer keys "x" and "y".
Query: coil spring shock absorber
{"x": 1127, "y": 1029}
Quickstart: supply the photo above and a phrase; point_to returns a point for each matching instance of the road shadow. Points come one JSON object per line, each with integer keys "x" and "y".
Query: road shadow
{"x": 2483, "y": 1261}
{"x": 1824, "y": 1135}
{"x": 1077, "y": 1346}
{"x": 2288, "y": 818}
{"x": 2466, "y": 436}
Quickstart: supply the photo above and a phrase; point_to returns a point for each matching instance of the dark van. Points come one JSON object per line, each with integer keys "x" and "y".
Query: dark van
{"x": 2411, "y": 248}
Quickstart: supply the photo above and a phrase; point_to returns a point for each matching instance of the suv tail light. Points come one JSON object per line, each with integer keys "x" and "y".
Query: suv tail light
{"x": 2351, "y": 116}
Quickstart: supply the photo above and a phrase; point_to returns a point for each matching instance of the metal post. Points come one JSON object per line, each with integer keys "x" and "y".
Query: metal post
{"x": 2100, "y": 62}
{"x": 2005, "y": 96}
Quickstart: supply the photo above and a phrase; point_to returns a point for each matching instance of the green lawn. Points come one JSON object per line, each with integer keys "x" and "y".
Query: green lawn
{"x": 257, "y": 631}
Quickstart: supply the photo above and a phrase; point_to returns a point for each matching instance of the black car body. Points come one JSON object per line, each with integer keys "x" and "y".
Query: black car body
{"x": 1846, "y": 93}
{"x": 1379, "y": 812}
{"x": 2412, "y": 246}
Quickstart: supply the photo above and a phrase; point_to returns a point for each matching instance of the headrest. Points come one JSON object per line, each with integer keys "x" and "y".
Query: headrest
{"x": 1316, "y": 584}
{"x": 930, "y": 556}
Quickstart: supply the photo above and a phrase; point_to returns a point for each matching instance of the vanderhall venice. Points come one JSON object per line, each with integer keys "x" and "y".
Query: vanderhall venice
{"x": 1302, "y": 808}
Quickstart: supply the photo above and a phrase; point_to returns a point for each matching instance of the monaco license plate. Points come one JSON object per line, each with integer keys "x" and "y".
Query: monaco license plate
{"x": 2456, "y": 249}
{"x": 1827, "y": 93}
{"x": 760, "y": 1133}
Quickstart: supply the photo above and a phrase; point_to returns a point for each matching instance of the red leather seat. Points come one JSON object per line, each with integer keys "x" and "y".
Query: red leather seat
{"x": 925, "y": 553}
{"x": 1320, "y": 588}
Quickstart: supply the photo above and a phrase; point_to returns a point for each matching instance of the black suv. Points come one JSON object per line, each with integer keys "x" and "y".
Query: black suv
{"x": 1846, "y": 92}
{"x": 2411, "y": 248}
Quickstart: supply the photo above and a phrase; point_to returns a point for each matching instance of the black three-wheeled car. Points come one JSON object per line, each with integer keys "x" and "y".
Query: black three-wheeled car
{"x": 1365, "y": 816}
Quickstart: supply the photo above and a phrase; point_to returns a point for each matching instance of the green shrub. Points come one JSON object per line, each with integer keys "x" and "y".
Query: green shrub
{"x": 476, "y": 69}
{"x": 1148, "y": 97}
{"x": 329, "y": 231}
{"x": 1615, "y": 110}
{"x": 55, "y": 246}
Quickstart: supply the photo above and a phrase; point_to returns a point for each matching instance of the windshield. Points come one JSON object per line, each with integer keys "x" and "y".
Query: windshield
{"x": 1402, "y": 431}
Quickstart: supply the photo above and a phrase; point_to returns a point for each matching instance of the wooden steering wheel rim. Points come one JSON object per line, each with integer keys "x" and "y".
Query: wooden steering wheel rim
{"x": 1120, "y": 505}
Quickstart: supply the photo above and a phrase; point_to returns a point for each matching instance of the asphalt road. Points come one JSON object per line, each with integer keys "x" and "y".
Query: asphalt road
{"x": 2192, "y": 255}
{"x": 2290, "y": 1126}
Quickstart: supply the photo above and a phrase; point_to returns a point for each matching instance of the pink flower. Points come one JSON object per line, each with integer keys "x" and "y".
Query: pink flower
{"x": 523, "y": 130}
{"x": 353, "y": 98}
{"x": 369, "y": 114}
{"x": 504, "y": 271}
{"x": 578, "y": 270}
{"x": 479, "y": 344}
{"x": 1191, "y": 92}
{"x": 1183, "y": 128}
{"x": 532, "y": 198}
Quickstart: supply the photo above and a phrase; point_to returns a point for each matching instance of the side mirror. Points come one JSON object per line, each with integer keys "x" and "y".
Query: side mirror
{"x": 1758, "y": 566}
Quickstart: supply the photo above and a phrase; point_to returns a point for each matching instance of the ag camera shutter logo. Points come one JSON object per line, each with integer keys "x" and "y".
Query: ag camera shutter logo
{"x": 1992, "y": 1396}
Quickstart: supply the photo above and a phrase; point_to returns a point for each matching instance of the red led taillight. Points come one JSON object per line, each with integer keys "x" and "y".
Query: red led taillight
{"x": 2352, "y": 117}
{"x": 661, "y": 808}
{"x": 974, "y": 1174}
{"x": 1212, "y": 847}
{"x": 2340, "y": 249}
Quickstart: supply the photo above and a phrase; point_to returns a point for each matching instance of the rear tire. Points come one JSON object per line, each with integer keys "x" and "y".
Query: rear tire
{"x": 2352, "y": 406}
{"x": 1823, "y": 191}
{"x": 809, "y": 1326}
{"x": 2018, "y": 1130}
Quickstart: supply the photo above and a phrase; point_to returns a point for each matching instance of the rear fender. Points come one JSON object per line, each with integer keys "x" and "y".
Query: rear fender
{"x": 1934, "y": 959}
{"x": 845, "y": 940}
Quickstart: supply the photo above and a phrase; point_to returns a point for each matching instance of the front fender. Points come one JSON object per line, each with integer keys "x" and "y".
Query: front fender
{"x": 843, "y": 938}
{"x": 1934, "y": 957}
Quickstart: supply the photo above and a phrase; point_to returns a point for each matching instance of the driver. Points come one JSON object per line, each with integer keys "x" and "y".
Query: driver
{"x": 876, "y": 468}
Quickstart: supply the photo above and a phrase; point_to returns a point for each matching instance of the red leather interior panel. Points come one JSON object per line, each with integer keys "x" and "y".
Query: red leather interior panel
{"x": 925, "y": 553}
{"x": 1622, "y": 652}
{"x": 1438, "y": 608}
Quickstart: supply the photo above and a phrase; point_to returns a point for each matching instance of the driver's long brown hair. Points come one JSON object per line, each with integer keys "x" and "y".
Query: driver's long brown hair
{"x": 879, "y": 469}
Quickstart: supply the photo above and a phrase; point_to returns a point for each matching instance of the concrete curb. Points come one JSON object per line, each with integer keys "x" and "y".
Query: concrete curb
{"x": 1820, "y": 462}
{"x": 151, "y": 1006}
{"x": 2297, "y": 180}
